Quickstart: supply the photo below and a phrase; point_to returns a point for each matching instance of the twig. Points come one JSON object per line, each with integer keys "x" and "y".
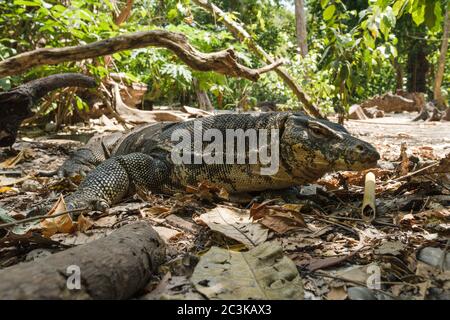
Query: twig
{"x": 343, "y": 226}
{"x": 321, "y": 273}
{"x": 437, "y": 182}
{"x": 412, "y": 173}
{"x": 444, "y": 256}
{"x": 43, "y": 217}
{"x": 362, "y": 221}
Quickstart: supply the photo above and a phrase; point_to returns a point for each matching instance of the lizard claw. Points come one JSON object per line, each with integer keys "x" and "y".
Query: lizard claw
{"x": 75, "y": 201}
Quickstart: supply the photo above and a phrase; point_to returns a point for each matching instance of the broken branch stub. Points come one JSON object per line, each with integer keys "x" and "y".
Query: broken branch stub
{"x": 224, "y": 62}
{"x": 368, "y": 210}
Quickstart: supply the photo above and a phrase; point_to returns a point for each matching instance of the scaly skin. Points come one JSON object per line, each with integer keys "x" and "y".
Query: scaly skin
{"x": 308, "y": 148}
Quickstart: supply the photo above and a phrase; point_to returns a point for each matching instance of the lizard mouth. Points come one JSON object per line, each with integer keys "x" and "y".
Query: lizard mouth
{"x": 355, "y": 166}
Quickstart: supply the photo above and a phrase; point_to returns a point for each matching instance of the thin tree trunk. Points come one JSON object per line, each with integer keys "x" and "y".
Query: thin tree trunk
{"x": 202, "y": 96}
{"x": 398, "y": 74}
{"x": 300, "y": 23}
{"x": 241, "y": 34}
{"x": 441, "y": 64}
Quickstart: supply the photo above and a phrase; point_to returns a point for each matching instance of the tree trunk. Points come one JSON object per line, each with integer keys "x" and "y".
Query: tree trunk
{"x": 114, "y": 267}
{"x": 300, "y": 23}
{"x": 241, "y": 34}
{"x": 398, "y": 74}
{"x": 202, "y": 97}
{"x": 441, "y": 64}
{"x": 417, "y": 68}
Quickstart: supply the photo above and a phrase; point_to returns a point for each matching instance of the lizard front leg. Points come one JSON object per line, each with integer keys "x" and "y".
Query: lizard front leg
{"x": 117, "y": 177}
{"x": 85, "y": 159}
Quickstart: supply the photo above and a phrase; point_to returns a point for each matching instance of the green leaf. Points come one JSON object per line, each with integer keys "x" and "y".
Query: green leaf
{"x": 430, "y": 14}
{"x": 418, "y": 14}
{"x": 80, "y": 104}
{"x": 323, "y": 3}
{"x": 383, "y": 3}
{"x": 369, "y": 41}
{"x": 27, "y": 3}
{"x": 5, "y": 83}
{"x": 398, "y": 7}
{"x": 329, "y": 12}
{"x": 172, "y": 14}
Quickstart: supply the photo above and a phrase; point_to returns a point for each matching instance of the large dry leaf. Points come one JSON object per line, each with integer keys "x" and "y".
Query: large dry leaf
{"x": 261, "y": 273}
{"x": 62, "y": 224}
{"x": 280, "y": 219}
{"x": 235, "y": 224}
{"x": 11, "y": 162}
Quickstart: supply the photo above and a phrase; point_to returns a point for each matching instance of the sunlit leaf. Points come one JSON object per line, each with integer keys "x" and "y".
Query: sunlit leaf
{"x": 329, "y": 12}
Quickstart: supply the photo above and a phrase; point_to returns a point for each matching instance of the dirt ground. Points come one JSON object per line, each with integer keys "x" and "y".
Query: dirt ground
{"x": 337, "y": 253}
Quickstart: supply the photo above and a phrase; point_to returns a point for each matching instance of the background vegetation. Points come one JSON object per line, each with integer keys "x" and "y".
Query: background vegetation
{"x": 356, "y": 48}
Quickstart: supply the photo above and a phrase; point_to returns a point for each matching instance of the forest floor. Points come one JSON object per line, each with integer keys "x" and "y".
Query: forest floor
{"x": 401, "y": 254}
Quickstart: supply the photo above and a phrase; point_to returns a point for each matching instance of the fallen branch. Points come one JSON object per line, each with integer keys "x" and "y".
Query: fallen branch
{"x": 114, "y": 267}
{"x": 224, "y": 62}
{"x": 241, "y": 34}
{"x": 16, "y": 104}
{"x": 142, "y": 116}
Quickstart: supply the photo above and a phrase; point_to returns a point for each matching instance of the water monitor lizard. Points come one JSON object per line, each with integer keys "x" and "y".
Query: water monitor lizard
{"x": 307, "y": 148}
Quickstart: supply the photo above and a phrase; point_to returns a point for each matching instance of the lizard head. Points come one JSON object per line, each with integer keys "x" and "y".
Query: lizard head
{"x": 323, "y": 146}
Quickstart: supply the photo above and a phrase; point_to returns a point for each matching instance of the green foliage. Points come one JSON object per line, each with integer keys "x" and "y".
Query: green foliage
{"x": 353, "y": 45}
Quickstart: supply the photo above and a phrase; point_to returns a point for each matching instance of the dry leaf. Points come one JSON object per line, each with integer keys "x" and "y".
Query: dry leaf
{"x": 11, "y": 162}
{"x": 260, "y": 273}
{"x": 280, "y": 219}
{"x": 107, "y": 221}
{"x": 337, "y": 293}
{"x": 84, "y": 223}
{"x": 5, "y": 181}
{"x": 156, "y": 211}
{"x": 236, "y": 224}
{"x": 61, "y": 224}
{"x": 208, "y": 191}
{"x": 5, "y": 189}
{"x": 167, "y": 234}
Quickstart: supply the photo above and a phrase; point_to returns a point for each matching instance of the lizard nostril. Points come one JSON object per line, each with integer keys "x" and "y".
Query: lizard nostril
{"x": 359, "y": 148}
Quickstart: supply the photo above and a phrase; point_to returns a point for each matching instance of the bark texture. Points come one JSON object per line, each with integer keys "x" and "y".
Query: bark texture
{"x": 114, "y": 267}
{"x": 300, "y": 24}
{"x": 441, "y": 63}
{"x": 224, "y": 62}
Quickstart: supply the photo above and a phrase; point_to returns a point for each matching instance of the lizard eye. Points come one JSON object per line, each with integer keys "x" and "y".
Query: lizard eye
{"x": 322, "y": 131}
{"x": 318, "y": 131}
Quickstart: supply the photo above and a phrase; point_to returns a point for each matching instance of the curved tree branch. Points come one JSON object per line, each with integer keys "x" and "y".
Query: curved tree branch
{"x": 15, "y": 105}
{"x": 224, "y": 62}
